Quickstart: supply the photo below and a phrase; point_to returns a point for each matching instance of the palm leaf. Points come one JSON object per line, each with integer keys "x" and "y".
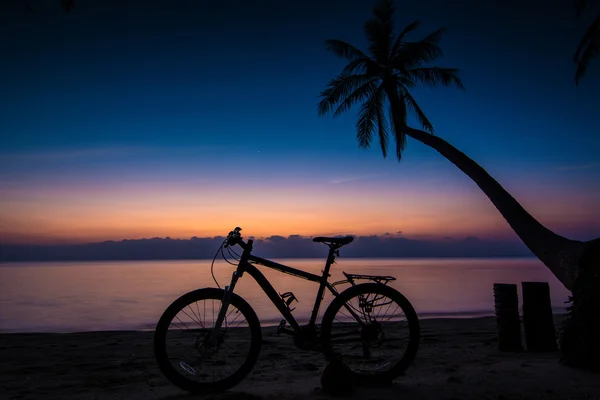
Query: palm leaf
{"x": 404, "y": 81}
{"x": 409, "y": 28}
{"x": 362, "y": 65}
{"x": 400, "y": 144}
{"x": 398, "y": 122}
{"x": 367, "y": 119}
{"x": 412, "y": 54}
{"x": 435, "y": 37}
{"x": 343, "y": 49}
{"x": 375, "y": 36}
{"x": 338, "y": 89}
{"x": 361, "y": 93}
{"x": 414, "y": 106}
{"x": 381, "y": 123}
{"x": 588, "y": 49}
{"x": 380, "y": 31}
{"x": 435, "y": 76}
{"x": 383, "y": 11}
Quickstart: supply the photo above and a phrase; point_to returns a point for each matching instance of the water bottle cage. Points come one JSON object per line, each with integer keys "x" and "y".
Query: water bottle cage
{"x": 288, "y": 298}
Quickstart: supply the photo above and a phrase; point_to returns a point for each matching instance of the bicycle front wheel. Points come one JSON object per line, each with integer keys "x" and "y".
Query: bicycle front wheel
{"x": 192, "y": 357}
{"x": 374, "y": 330}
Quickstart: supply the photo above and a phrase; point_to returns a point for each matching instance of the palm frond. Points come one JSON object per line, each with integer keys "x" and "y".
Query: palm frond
{"x": 409, "y": 28}
{"x": 399, "y": 39}
{"x": 435, "y": 76}
{"x": 400, "y": 137}
{"x": 414, "y": 106}
{"x": 338, "y": 89}
{"x": 412, "y": 54}
{"x": 435, "y": 37}
{"x": 591, "y": 33}
{"x": 404, "y": 81}
{"x": 343, "y": 49}
{"x": 380, "y": 31}
{"x": 361, "y": 93}
{"x": 383, "y": 132}
{"x": 362, "y": 65}
{"x": 376, "y": 39}
{"x": 588, "y": 49}
{"x": 398, "y": 116}
{"x": 367, "y": 119}
{"x": 383, "y": 11}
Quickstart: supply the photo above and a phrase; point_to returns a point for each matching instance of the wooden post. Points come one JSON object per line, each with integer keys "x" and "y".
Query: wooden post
{"x": 538, "y": 322}
{"x": 506, "y": 304}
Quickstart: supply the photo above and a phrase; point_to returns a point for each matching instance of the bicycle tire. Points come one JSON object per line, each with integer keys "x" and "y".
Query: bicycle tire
{"x": 178, "y": 378}
{"x": 413, "y": 329}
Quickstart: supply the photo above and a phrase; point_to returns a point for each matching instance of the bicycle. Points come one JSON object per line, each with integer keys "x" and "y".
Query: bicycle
{"x": 351, "y": 330}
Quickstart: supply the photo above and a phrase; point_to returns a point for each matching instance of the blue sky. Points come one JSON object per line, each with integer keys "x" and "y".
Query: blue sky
{"x": 118, "y": 104}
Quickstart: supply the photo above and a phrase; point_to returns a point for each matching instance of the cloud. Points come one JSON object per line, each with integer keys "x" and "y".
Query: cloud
{"x": 275, "y": 238}
{"x": 294, "y": 246}
{"x": 350, "y": 179}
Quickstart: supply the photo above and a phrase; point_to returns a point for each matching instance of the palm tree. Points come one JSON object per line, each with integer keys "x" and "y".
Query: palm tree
{"x": 386, "y": 74}
{"x": 391, "y": 69}
{"x": 589, "y": 46}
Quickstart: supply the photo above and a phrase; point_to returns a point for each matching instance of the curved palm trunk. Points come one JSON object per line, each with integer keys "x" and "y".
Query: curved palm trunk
{"x": 559, "y": 254}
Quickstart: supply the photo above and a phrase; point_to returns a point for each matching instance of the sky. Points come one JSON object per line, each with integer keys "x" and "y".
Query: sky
{"x": 130, "y": 119}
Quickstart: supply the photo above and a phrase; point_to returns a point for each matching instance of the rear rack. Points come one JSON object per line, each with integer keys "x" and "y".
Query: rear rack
{"x": 350, "y": 278}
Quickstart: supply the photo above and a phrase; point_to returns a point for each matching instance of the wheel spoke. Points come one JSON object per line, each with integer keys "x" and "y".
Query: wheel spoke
{"x": 378, "y": 345}
{"x": 200, "y": 356}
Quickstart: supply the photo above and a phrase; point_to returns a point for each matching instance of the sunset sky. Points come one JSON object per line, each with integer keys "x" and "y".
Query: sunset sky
{"x": 188, "y": 118}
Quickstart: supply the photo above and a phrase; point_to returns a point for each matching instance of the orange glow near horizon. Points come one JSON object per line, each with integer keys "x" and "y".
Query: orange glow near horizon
{"x": 84, "y": 213}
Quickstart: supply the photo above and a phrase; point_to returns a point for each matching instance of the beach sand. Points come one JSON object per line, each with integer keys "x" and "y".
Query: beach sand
{"x": 457, "y": 359}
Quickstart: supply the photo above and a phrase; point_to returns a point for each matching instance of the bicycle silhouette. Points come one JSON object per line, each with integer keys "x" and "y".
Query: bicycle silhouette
{"x": 209, "y": 339}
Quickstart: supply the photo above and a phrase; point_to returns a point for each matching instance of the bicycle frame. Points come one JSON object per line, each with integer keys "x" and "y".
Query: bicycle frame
{"x": 246, "y": 266}
{"x": 362, "y": 301}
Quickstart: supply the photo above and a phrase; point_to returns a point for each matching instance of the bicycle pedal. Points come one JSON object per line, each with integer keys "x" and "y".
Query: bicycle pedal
{"x": 281, "y": 327}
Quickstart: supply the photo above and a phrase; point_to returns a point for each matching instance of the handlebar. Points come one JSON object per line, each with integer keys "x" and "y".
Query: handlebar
{"x": 234, "y": 238}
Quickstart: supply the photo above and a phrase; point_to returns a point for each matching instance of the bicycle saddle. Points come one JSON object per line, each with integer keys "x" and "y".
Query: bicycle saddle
{"x": 341, "y": 241}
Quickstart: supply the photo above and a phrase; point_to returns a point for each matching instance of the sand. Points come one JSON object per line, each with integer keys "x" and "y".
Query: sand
{"x": 457, "y": 359}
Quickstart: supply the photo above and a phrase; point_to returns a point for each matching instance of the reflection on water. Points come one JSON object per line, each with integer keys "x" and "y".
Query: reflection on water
{"x": 83, "y": 296}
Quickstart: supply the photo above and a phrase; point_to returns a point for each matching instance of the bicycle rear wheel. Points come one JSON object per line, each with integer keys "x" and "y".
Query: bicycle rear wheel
{"x": 188, "y": 354}
{"x": 374, "y": 330}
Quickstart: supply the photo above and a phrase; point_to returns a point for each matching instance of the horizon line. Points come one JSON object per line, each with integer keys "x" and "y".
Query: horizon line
{"x": 277, "y": 257}
{"x": 387, "y": 235}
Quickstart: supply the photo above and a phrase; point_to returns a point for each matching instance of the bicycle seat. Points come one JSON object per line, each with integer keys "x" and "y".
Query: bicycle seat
{"x": 340, "y": 241}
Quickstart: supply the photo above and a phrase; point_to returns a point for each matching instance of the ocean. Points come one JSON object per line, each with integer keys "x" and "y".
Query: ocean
{"x": 131, "y": 295}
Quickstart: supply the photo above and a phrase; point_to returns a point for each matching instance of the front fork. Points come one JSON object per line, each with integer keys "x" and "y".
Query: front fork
{"x": 228, "y": 291}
